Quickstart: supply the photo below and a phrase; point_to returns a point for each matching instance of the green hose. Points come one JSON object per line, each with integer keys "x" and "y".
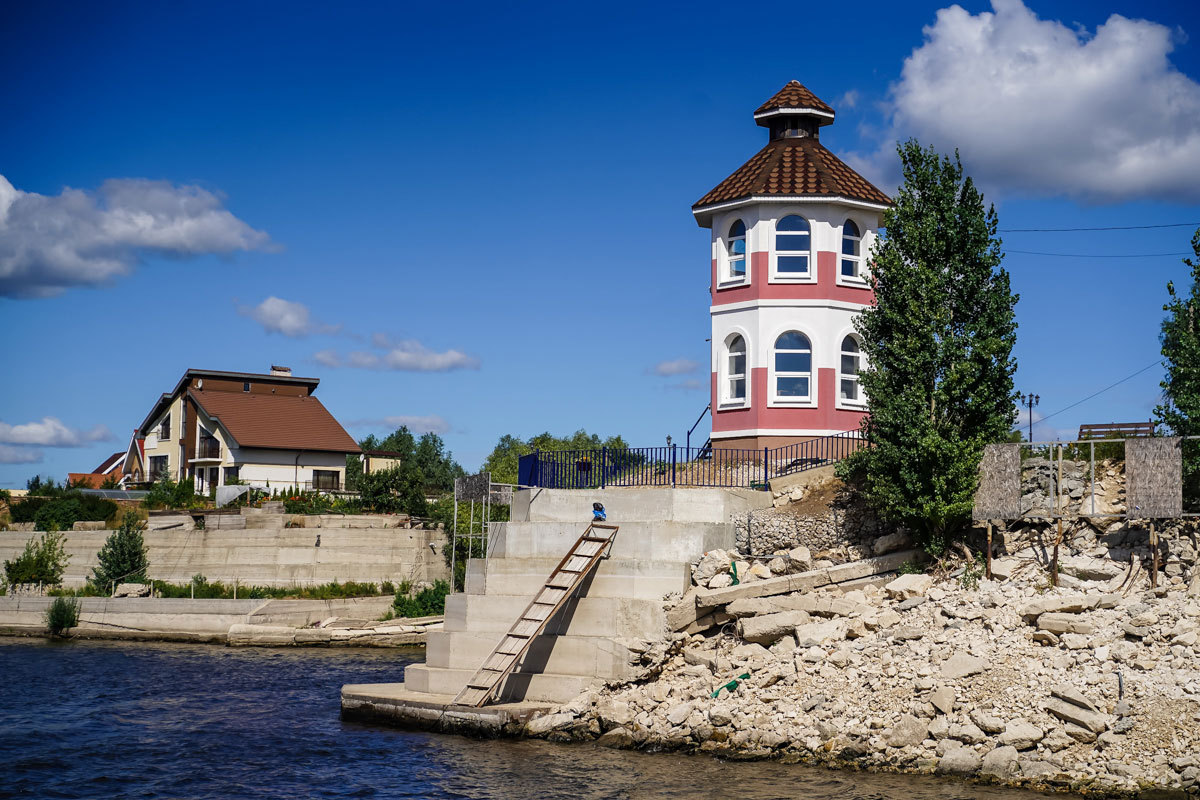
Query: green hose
{"x": 733, "y": 684}
{"x": 733, "y": 569}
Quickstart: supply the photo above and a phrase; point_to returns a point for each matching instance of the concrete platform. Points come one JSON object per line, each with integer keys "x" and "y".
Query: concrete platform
{"x": 393, "y": 704}
{"x": 598, "y": 656}
{"x": 639, "y": 540}
{"x": 545, "y": 687}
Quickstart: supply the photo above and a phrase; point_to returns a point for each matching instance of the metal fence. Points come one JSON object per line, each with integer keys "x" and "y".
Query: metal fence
{"x": 601, "y": 467}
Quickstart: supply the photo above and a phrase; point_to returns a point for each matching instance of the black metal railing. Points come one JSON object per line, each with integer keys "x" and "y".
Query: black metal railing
{"x": 598, "y": 468}
{"x": 208, "y": 448}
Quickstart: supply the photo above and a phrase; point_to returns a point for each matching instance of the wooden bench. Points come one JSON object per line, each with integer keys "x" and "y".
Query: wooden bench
{"x": 1116, "y": 430}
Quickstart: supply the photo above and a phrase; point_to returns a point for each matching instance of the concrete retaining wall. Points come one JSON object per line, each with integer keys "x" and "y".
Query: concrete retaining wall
{"x": 267, "y": 556}
{"x": 172, "y": 618}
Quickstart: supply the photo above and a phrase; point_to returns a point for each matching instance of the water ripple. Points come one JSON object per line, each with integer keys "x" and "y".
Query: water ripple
{"x": 157, "y": 721}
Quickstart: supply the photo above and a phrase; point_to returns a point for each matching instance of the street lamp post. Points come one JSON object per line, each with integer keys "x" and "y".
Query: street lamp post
{"x": 1029, "y": 401}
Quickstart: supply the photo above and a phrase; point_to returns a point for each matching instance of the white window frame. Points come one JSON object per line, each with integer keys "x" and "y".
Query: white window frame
{"x": 791, "y": 277}
{"x": 859, "y": 278}
{"x": 727, "y": 276}
{"x": 773, "y": 374}
{"x": 842, "y": 402}
{"x": 725, "y": 377}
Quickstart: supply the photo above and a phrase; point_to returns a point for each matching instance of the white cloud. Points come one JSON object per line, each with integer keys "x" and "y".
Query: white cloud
{"x": 405, "y": 355}
{"x": 328, "y": 358}
{"x": 849, "y": 99}
{"x": 19, "y": 455}
{"x": 49, "y": 243}
{"x": 51, "y": 432}
{"x": 680, "y": 366}
{"x": 290, "y": 318}
{"x": 1041, "y": 108}
{"x": 417, "y": 424}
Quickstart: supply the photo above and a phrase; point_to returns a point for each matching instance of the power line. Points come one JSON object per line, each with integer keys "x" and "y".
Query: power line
{"x": 1102, "y": 391}
{"x": 1097, "y": 255}
{"x": 1105, "y": 228}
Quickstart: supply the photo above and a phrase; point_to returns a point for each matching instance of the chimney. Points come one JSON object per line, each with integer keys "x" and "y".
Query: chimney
{"x": 284, "y": 371}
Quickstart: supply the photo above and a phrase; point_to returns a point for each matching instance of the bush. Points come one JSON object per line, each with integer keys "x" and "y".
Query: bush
{"x": 62, "y": 615}
{"x": 63, "y": 510}
{"x": 426, "y": 603}
{"x": 43, "y": 561}
{"x": 166, "y": 493}
{"x": 122, "y": 559}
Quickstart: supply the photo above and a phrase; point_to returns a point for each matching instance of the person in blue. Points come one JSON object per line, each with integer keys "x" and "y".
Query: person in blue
{"x": 598, "y": 514}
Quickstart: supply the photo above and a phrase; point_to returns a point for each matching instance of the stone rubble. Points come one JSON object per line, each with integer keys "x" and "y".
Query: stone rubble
{"x": 1092, "y": 688}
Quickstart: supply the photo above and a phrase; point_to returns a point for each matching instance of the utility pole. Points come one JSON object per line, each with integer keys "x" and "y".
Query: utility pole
{"x": 1029, "y": 401}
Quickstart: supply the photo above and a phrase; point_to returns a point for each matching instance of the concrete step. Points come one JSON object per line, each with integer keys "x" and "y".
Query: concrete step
{"x": 584, "y": 616}
{"x": 545, "y": 686}
{"x": 662, "y": 540}
{"x": 595, "y": 656}
{"x": 614, "y": 577}
{"x": 640, "y": 503}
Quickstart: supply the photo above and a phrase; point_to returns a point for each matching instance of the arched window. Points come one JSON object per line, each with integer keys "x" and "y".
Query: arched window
{"x": 851, "y": 362}
{"x": 792, "y": 246}
{"x": 735, "y": 251}
{"x": 851, "y": 250}
{"x": 793, "y": 366}
{"x": 735, "y": 370}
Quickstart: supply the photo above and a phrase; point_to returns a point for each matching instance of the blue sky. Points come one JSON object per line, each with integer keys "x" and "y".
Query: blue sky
{"x": 476, "y": 218}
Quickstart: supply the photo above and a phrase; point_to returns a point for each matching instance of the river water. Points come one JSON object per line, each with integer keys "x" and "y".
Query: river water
{"x": 151, "y": 720}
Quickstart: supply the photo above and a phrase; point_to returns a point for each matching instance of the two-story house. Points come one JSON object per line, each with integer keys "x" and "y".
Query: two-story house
{"x": 265, "y": 430}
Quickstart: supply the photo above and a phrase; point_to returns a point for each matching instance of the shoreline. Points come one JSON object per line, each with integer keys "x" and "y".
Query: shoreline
{"x": 348, "y": 622}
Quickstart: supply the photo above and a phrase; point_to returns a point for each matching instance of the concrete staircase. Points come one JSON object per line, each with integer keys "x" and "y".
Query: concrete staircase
{"x": 599, "y": 635}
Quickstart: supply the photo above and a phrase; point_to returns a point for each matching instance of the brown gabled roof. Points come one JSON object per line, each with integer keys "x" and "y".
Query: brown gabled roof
{"x": 275, "y": 421}
{"x": 801, "y": 167}
{"x": 794, "y": 95}
{"x": 110, "y": 463}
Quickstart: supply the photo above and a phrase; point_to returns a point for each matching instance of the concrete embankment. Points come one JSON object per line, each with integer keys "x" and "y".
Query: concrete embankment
{"x": 261, "y": 549}
{"x": 268, "y": 623}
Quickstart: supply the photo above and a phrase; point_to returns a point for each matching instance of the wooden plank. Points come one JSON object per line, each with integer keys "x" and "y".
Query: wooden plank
{"x": 803, "y": 581}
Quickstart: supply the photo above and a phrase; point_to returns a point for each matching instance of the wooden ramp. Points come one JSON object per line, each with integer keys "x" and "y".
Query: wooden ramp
{"x": 576, "y": 565}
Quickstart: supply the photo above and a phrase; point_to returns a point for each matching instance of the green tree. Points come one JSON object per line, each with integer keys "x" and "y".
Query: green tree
{"x": 1180, "y": 338}
{"x": 504, "y": 459}
{"x": 44, "y": 560}
{"x": 938, "y": 345}
{"x": 122, "y": 559}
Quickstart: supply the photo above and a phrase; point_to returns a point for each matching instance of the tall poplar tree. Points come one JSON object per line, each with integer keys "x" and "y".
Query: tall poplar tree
{"x": 938, "y": 345}
{"x": 1180, "y": 337}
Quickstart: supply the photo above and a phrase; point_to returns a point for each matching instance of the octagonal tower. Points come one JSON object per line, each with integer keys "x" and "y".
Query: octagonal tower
{"x": 791, "y": 229}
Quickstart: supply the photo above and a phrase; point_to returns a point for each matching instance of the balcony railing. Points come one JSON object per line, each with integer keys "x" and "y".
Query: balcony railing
{"x": 208, "y": 448}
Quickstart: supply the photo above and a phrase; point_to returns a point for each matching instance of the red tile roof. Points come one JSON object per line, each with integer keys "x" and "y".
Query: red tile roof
{"x": 276, "y": 421}
{"x": 799, "y": 166}
{"x": 794, "y": 95}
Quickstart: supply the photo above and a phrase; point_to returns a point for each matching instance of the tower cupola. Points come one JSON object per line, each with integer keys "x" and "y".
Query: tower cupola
{"x": 794, "y": 112}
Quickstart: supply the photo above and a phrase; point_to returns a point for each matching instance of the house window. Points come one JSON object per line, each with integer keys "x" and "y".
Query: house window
{"x": 245, "y": 387}
{"x": 327, "y": 479}
{"x": 158, "y": 467}
{"x": 851, "y": 362}
{"x": 735, "y": 370}
{"x": 735, "y": 252}
{"x": 851, "y": 250}
{"x": 231, "y": 475}
{"x": 793, "y": 366}
{"x": 793, "y": 244}
{"x": 164, "y": 430}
